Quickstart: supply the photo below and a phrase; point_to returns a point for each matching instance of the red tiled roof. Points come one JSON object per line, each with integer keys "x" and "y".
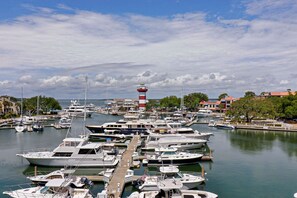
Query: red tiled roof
{"x": 229, "y": 98}
{"x": 284, "y": 93}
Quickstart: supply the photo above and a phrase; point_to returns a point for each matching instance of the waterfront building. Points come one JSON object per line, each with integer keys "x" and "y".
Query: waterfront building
{"x": 279, "y": 94}
{"x": 219, "y": 105}
{"x": 8, "y": 106}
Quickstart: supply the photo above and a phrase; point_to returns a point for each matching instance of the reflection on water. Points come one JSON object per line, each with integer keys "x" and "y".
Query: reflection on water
{"x": 256, "y": 141}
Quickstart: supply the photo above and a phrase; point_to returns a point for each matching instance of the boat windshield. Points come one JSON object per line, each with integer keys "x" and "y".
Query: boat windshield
{"x": 44, "y": 189}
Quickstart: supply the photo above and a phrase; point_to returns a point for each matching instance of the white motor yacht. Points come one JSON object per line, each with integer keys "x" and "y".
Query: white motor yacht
{"x": 55, "y": 188}
{"x": 75, "y": 109}
{"x": 171, "y": 156}
{"x": 64, "y": 123}
{"x": 150, "y": 183}
{"x": 204, "y": 113}
{"x": 122, "y": 127}
{"x": 172, "y": 188}
{"x": 76, "y": 152}
{"x": 179, "y": 142}
{"x": 173, "y": 128}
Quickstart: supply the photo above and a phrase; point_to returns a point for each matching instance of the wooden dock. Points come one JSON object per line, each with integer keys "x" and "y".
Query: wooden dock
{"x": 191, "y": 123}
{"x": 117, "y": 183}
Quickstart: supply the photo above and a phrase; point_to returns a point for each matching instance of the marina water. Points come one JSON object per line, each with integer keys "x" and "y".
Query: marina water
{"x": 246, "y": 163}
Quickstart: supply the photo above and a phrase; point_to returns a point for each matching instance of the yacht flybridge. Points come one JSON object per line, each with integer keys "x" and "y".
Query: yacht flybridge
{"x": 76, "y": 152}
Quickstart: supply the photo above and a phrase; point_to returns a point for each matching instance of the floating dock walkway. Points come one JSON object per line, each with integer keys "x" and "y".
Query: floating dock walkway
{"x": 191, "y": 123}
{"x": 117, "y": 183}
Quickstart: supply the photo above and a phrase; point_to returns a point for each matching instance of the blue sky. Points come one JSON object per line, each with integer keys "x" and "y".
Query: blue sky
{"x": 175, "y": 47}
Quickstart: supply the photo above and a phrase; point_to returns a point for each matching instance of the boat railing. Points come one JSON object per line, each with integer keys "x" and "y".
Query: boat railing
{"x": 18, "y": 186}
{"x": 38, "y": 172}
{"x": 37, "y": 150}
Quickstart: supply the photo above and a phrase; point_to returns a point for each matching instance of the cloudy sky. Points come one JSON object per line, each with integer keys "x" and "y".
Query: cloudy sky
{"x": 174, "y": 46}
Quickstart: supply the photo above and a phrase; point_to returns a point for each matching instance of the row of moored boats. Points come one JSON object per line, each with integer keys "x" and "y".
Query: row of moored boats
{"x": 166, "y": 144}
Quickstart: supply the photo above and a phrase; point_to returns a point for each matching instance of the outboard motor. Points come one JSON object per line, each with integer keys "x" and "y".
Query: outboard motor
{"x": 86, "y": 181}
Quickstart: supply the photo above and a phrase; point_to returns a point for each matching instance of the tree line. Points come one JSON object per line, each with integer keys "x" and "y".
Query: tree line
{"x": 245, "y": 109}
{"x": 30, "y": 106}
{"x": 171, "y": 103}
{"x": 251, "y": 107}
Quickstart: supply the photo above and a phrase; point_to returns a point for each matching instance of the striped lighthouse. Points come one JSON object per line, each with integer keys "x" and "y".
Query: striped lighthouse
{"x": 142, "y": 96}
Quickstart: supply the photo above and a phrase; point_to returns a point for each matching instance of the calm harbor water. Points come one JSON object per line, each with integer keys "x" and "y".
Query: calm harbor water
{"x": 246, "y": 163}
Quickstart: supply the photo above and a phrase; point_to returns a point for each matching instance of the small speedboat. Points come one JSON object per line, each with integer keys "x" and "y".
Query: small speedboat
{"x": 108, "y": 173}
{"x": 60, "y": 174}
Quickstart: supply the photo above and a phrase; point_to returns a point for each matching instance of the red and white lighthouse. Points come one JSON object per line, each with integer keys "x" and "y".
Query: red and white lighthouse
{"x": 142, "y": 89}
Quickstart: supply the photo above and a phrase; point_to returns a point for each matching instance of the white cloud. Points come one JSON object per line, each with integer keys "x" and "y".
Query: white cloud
{"x": 257, "y": 7}
{"x": 284, "y": 82}
{"x": 169, "y": 52}
{"x": 26, "y": 79}
{"x": 57, "y": 81}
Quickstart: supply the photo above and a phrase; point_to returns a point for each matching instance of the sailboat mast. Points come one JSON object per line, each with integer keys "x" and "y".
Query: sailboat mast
{"x": 182, "y": 100}
{"x": 37, "y": 106}
{"x": 85, "y": 105}
{"x": 22, "y": 106}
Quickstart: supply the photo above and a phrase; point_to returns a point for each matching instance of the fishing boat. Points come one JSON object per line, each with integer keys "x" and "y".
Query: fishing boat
{"x": 150, "y": 183}
{"x": 77, "y": 152}
{"x": 108, "y": 173}
{"x": 55, "y": 188}
{"x": 172, "y": 188}
{"x": 78, "y": 182}
{"x": 37, "y": 127}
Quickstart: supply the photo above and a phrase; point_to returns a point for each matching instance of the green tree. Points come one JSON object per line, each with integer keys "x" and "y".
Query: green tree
{"x": 223, "y": 95}
{"x": 170, "y": 102}
{"x": 45, "y": 104}
{"x": 249, "y": 94}
{"x": 248, "y": 109}
{"x": 192, "y": 100}
{"x": 152, "y": 103}
{"x": 285, "y": 107}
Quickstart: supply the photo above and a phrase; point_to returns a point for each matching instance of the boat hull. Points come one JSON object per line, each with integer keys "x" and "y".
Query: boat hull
{"x": 74, "y": 162}
{"x": 118, "y": 131}
{"x": 194, "y": 160}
